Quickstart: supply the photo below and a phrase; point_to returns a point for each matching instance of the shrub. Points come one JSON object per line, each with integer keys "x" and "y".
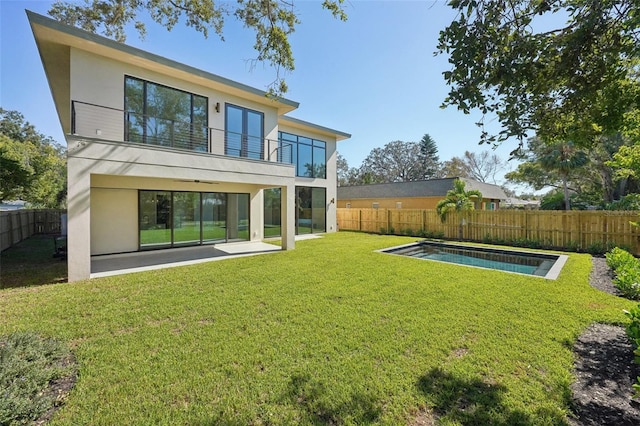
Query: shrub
{"x": 628, "y": 202}
{"x": 599, "y": 247}
{"x": 627, "y": 272}
{"x": 29, "y": 364}
{"x": 633, "y": 331}
{"x": 618, "y": 258}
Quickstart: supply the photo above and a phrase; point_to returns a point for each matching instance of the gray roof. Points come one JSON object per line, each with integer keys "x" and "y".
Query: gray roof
{"x": 424, "y": 188}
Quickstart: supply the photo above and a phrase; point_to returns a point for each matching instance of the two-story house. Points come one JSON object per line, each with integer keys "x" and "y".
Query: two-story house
{"x": 163, "y": 155}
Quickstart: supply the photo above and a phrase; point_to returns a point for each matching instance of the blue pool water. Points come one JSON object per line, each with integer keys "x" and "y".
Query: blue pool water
{"x": 538, "y": 264}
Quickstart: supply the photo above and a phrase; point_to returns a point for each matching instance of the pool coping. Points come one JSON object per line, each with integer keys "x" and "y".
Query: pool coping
{"x": 552, "y": 274}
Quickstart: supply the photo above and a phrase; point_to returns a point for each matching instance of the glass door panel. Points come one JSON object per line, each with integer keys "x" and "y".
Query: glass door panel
{"x": 186, "y": 218}
{"x": 233, "y": 131}
{"x": 238, "y": 217}
{"x": 272, "y": 222}
{"x": 155, "y": 219}
{"x": 214, "y": 217}
{"x": 303, "y": 210}
{"x": 254, "y": 135}
{"x": 319, "y": 212}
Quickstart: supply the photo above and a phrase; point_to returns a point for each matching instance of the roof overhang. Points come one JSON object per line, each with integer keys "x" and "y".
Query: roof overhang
{"x": 55, "y": 40}
{"x": 305, "y": 125}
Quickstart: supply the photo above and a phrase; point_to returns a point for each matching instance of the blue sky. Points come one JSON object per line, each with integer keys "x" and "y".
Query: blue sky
{"x": 374, "y": 76}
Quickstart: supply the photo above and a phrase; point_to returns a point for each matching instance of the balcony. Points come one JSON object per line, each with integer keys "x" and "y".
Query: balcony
{"x": 111, "y": 124}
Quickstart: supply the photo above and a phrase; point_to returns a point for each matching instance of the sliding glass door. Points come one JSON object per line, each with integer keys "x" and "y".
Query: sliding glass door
{"x": 214, "y": 217}
{"x": 175, "y": 219}
{"x": 155, "y": 219}
{"x": 186, "y": 218}
{"x": 311, "y": 215}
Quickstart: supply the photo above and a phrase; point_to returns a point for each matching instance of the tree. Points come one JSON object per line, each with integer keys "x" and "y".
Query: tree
{"x": 556, "y": 165}
{"x": 458, "y": 200}
{"x": 13, "y": 177}
{"x": 564, "y": 158}
{"x": 272, "y": 21}
{"x": 483, "y": 167}
{"x": 574, "y": 82}
{"x": 429, "y": 157}
{"x": 397, "y": 161}
{"x": 342, "y": 168}
{"x": 41, "y": 177}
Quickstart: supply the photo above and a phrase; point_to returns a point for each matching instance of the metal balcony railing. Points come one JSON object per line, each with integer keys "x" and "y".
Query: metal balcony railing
{"x": 112, "y": 124}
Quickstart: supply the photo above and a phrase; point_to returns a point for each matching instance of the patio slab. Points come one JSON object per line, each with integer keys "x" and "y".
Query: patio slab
{"x": 126, "y": 263}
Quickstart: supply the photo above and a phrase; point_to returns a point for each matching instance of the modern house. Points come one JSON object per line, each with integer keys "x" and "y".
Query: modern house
{"x": 415, "y": 195}
{"x": 163, "y": 155}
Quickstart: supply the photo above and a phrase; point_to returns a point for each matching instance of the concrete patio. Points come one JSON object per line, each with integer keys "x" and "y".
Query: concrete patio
{"x": 125, "y": 263}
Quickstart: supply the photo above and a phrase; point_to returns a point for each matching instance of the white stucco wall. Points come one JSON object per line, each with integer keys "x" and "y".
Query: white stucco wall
{"x": 114, "y": 220}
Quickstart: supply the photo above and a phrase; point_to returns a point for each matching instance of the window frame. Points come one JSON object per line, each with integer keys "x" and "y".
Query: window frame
{"x": 145, "y": 116}
{"x": 315, "y": 145}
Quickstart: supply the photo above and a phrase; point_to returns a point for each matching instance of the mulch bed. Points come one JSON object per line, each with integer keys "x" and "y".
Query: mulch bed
{"x": 605, "y": 370}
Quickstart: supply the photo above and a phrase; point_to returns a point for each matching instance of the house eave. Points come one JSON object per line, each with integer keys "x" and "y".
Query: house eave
{"x": 52, "y": 36}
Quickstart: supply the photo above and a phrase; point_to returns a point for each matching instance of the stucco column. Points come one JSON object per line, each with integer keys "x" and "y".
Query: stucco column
{"x": 78, "y": 222}
{"x": 288, "y": 216}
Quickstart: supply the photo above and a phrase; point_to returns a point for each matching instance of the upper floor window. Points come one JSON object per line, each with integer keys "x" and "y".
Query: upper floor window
{"x": 244, "y": 132}
{"x": 161, "y": 115}
{"x": 308, "y": 155}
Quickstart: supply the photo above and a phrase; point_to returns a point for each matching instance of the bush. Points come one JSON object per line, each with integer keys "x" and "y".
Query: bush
{"x": 633, "y": 331}
{"x": 618, "y": 258}
{"x": 627, "y": 272}
{"x": 628, "y": 202}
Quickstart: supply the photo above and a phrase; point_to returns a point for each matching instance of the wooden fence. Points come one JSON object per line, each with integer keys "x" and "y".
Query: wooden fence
{"x": 17, "y": 225}
{"x": 583, "y": 230}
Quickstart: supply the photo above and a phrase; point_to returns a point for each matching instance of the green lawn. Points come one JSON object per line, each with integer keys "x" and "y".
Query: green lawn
{"x": 31, "y": 262}
{"x": 329, "y": 333}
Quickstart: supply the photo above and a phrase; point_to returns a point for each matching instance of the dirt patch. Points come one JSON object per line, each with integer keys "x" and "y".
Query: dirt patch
{"x": 604, "y": 368}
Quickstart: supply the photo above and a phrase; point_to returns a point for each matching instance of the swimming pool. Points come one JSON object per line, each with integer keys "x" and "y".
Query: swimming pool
{"x": 520, "y": 262}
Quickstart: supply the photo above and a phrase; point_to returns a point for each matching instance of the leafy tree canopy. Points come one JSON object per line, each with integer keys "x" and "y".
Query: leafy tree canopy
{"x": 573, "y": 82}
{"x": 33, "y": 166}
{"x": 273, "y": 21}
{"x": 397, "y": 161}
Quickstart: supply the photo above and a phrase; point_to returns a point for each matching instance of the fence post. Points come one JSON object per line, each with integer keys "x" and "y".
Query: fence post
{"x": 359, "y": 219}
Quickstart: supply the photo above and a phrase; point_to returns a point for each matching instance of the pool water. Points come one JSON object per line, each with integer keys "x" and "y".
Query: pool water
{"x": 530, "y": 263}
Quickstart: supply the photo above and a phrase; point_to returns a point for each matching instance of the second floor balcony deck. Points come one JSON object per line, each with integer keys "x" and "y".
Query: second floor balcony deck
{"x": 111, "y": 124}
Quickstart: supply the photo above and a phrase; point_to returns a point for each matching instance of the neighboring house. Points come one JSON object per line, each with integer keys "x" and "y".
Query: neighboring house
{"x": 517, "y": 203}
{"x": 12, "y": 205}
{"x": 163, "y": 155}
{"x": 415, "y": 195}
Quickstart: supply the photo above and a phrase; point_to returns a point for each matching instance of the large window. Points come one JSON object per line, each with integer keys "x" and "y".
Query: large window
{"x": 244, "y": 132}
{"x": 160, "y": 115}
{"x": 308, "y": 155}
{"x": 311, "y": 214}
{"x": 173, "y": 219}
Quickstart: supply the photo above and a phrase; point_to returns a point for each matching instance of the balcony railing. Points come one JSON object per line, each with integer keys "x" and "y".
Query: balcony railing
{"x": 100, "y": 122}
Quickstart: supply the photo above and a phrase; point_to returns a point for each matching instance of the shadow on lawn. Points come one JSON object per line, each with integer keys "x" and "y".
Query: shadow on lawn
{"x": 320, "y": 407}
{"x": 31, "y": 263}
{"x": 473, "y": 401}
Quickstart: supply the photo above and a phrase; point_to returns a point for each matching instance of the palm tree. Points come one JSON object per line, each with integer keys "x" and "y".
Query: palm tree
{"x": 564, "y": 158}
{"x": 458, "y": 200}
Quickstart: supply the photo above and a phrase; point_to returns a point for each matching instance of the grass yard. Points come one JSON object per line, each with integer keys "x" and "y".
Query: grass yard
{"x": 329, "y": 333}
{"x": 31, "y": 262}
